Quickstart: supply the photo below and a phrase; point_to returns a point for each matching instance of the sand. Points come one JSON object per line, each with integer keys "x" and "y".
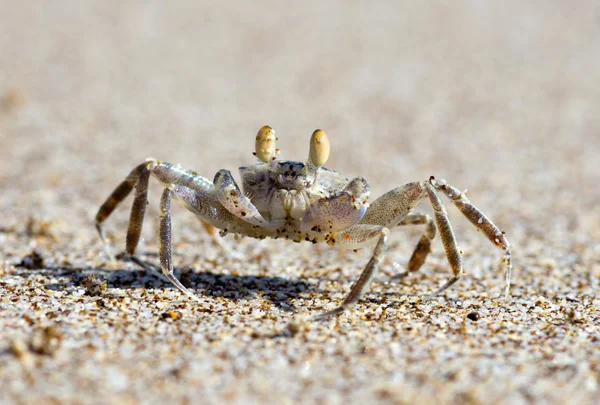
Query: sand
{"x": 500, "y": 98}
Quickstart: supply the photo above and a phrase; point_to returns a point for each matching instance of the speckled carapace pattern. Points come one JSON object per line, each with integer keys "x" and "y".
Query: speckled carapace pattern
{"x": 498, "y": 97}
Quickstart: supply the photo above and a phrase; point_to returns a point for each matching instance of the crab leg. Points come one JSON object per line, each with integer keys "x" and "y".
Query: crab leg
{"x": 360, "y": 235}
{"x": 113, "y": 200}
{"x": 481, "y": 222}
{"x": 138, "y": 178}
{"x": 447, "y": 236}
{"x": 138, "y": 209}
{"x": 136, "y": 222}
{"x": 207, "y": 208}
{"x": 393, "y": 209}
{"x": 199, "y": 203}
{"x": 423, "y": 248}
{"x": 164, "y": 243}
{"x": 189, "y": 185}
{"x": 389, "y": 209}
{"x": 356, "y": 237}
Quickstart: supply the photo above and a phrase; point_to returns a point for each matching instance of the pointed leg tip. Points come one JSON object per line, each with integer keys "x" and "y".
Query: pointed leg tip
{"x": 109, "y": 254}
{"x": 428, "y": 297}
{"x": 111, "y": 257}
{"x": 327, "y": 314}
{"x": 194, "y": 298}
{"x": 399, "y": 276}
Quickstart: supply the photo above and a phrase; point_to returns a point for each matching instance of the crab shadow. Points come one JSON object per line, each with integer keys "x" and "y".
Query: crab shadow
{"x": 279, "y": 291}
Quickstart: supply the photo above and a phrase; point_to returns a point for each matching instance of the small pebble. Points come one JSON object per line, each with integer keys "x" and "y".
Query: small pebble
{"x": 474, "y": 316}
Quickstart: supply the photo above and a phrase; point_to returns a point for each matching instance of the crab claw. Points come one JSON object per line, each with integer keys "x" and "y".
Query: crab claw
{"x": 231, "y": 197}
{"x": 338, "y": 211}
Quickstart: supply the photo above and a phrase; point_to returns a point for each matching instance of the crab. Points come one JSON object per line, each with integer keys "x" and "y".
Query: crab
{"x": 301, "y": 202}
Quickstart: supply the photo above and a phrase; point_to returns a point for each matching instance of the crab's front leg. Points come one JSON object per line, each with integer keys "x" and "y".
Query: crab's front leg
{"x": 164, "y": 243}
{"x": 356, "y": 237}
{"x": 205, "y": 206}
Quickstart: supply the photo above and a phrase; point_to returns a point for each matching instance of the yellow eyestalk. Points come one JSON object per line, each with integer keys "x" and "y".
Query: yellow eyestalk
{"x": 265, "y": 144}
{"x": 319, "y": 148}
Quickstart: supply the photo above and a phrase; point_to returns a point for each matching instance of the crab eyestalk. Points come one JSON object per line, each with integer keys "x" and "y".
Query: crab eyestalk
{"x": 264, "y": 146}
{"x": 319, "y": 151}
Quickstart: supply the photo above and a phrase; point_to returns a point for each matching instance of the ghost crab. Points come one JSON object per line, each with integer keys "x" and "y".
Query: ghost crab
{"x": 302, "y": 202}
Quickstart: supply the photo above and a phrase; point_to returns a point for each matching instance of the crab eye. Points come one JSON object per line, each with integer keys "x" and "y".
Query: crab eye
{"x": 319, "y": 148}
{"x": 265, "y": 144}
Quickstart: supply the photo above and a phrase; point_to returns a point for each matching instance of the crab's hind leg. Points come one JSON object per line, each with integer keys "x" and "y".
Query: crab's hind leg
{"x": 481, "y": 222}
{"x": 423, "y": 247}
{"x": 356, "y": 237}
{"x": 138, "y": 174}
{"x": 136, "y": 222}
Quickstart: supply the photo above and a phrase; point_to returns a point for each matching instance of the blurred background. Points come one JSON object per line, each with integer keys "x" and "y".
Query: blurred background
{"x": 500, "y": 98}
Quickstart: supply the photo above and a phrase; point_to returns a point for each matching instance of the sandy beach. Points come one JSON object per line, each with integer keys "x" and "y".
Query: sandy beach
{"x": 498, "y": 98}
